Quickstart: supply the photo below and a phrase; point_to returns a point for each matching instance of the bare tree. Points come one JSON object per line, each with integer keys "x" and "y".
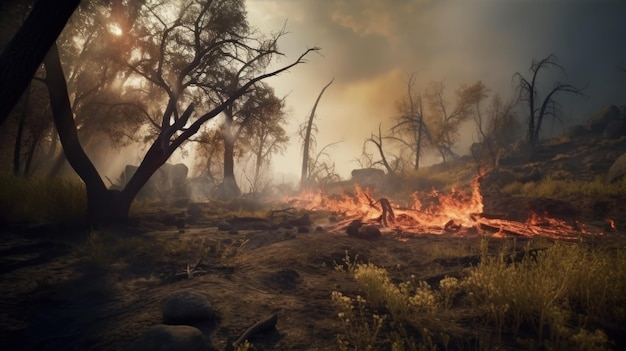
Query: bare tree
{"x": 410, "y": 124}
{"x": 497, "y": 127}
{"x": 308, "y": 139}
{"x": 538, "y": 108}
{"x": 377, "y": 140}
{"x": 188, "y": 58}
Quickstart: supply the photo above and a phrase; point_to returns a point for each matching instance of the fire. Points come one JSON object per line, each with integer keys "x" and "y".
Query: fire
{"x": 432, "y": 212}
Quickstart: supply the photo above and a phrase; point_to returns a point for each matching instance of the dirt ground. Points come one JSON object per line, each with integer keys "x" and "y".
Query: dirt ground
{"x": 53, "y": 296}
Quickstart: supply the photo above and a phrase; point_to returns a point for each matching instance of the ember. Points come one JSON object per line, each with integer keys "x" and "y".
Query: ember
{"x": 456, "y": 213}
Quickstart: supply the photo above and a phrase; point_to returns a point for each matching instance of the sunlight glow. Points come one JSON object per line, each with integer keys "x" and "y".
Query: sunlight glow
{"x": 115, "y": 29}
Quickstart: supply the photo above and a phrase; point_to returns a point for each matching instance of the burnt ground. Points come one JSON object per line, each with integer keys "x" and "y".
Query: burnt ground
{"x": 61, "y": 291}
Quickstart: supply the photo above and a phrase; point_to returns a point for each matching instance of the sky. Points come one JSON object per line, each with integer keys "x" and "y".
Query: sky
{"x": 371, "y": 46}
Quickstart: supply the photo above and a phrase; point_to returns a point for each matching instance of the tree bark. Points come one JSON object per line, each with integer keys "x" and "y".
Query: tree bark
{"x": 26, "y": 50}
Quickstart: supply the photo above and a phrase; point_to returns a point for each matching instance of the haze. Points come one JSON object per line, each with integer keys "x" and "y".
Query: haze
{"x": 371, "y": 46}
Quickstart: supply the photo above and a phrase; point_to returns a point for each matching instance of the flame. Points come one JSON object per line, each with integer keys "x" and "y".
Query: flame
{"x": 456, "y": 213}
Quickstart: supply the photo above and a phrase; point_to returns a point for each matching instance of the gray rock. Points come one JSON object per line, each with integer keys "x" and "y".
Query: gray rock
{"x": 187, "y": 307}
{"x": 597, "y": 124}
{"x": 617, "y": 170}
{"x": 615, "y": 129}
{"x": 170, "y": 337}
{"x": 194, "y": 210}
{"x": 224, "y": 226}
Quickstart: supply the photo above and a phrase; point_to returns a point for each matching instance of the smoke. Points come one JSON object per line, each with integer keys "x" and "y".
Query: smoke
{"x": 370, "y": 47}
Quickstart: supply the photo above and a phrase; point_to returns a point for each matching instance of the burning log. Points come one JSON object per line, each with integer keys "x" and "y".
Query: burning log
{"x": 387, "y": 215}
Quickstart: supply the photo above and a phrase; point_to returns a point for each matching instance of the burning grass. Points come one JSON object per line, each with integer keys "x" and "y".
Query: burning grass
{"x": 561, "y": 297}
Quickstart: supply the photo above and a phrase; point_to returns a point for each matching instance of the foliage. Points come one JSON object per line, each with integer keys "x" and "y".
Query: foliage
{"x": 546, "y": 300}
{"x": 38, "y": 199}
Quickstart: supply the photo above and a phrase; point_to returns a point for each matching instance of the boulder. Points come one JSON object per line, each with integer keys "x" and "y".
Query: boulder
{"x": 188, "y": 307}
{"x": 617, "y": 170}
{"x": 368, "y": 176}
{"x": 597, "y": 124}
{"x": 615, "y": 129}
{"x": 170, "y": 337}
{"x": 577, "y": 131}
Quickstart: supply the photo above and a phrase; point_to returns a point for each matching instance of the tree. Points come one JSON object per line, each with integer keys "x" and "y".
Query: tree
{"x": 24, "y": 53}
{"x": 497, "y": 127}
{"x": 265, "y": 136}
{"x": 240, "y": 116}
{"x": 410, "y": 124}
{"x": 308, "y": 139}
{"x": 539, "y": 109}
{"x": 189, "y": 58}
{"x": 444, "y": 122}
{"x": 378, "y": 142}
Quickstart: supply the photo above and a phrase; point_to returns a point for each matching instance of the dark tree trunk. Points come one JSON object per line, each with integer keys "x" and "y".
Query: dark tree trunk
{"x": 100, "y": 202}
{"x": 17, "y": 150}
{"x": 229, "y": 189}
{"x": 26, "y": 50}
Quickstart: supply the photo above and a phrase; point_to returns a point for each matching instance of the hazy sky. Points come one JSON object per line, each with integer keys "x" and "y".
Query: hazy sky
{"x": 370, "y": 46}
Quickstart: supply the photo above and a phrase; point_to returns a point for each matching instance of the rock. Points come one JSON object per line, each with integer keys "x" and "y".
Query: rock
{"x": 369, "y": 232}
{"x": 577, "y": 131}
{"x": 615, "y": 129}
{"x": 224, "y": 226}
{"x": 170, "y": 337}
{"x": 302, "y": 221}
{"x": 303, "y": 229}
{"x": 597, "y": 124}
{"x": 617, "y": 170}
{"x": 319, "y": 229}
{"x": 194, "y": 210}
{"x": 187, "y": 307}
{"x": 368, "y": 176}
{"x": 353, "y": 228}
{"x": 181, "y": 203}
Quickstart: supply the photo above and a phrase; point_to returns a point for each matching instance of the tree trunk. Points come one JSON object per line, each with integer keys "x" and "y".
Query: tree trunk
{"x": 307, "y": 139}
{"x": 229, "y": 189}
{"x": 24, "y": 53}
{"x": 100, "y": 202}
{"x": 17, "y": 150}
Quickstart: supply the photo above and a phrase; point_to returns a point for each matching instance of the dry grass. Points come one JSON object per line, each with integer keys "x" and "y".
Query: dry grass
{"x": 543, "y": 301}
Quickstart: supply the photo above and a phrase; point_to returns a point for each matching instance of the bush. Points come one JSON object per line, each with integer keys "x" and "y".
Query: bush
{"x": 40, "y": 199}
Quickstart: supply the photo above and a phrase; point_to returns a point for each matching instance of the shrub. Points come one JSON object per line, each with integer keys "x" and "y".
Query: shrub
{"x": 40, "y": 199}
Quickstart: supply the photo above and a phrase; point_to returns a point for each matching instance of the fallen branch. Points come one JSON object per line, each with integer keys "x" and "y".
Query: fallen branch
{"x": 258, "y": 327}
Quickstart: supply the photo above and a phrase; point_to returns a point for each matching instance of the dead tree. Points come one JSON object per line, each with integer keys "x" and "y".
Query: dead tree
{"x": 307, "y": 138}
{"x": 540, "y": 109}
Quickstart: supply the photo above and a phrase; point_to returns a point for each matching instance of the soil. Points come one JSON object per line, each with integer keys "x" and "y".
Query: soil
{"x": 60, "y": 289}
{"x": 55, "y": 297}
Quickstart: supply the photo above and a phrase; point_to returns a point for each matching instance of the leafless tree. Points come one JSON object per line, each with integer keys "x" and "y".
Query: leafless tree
{"x": 538, "y": 108}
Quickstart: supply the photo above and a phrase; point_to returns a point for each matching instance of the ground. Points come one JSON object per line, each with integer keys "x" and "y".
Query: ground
{"x": 60, "y": 291}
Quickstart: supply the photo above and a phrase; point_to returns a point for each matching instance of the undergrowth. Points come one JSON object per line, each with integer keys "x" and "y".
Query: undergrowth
{"x": 552, "y": 298}
{"x": 40, "y": 199}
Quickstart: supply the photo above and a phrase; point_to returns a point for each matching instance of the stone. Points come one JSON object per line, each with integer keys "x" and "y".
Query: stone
{"x": 187, "y": 307}
{"x": 617, "y": 170}
{"x": 353, "y": 228}
{"x": 194, "y": 210}
{"x": 170, "y": 337}
{"x": 319, "y": 229}
{"x": 369, "y": 232}
{"x": 615, "y": 129}
{"x": 224, "y": 226}
{"x": 303, "y": 229}
{"x": 597, "y": 124}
